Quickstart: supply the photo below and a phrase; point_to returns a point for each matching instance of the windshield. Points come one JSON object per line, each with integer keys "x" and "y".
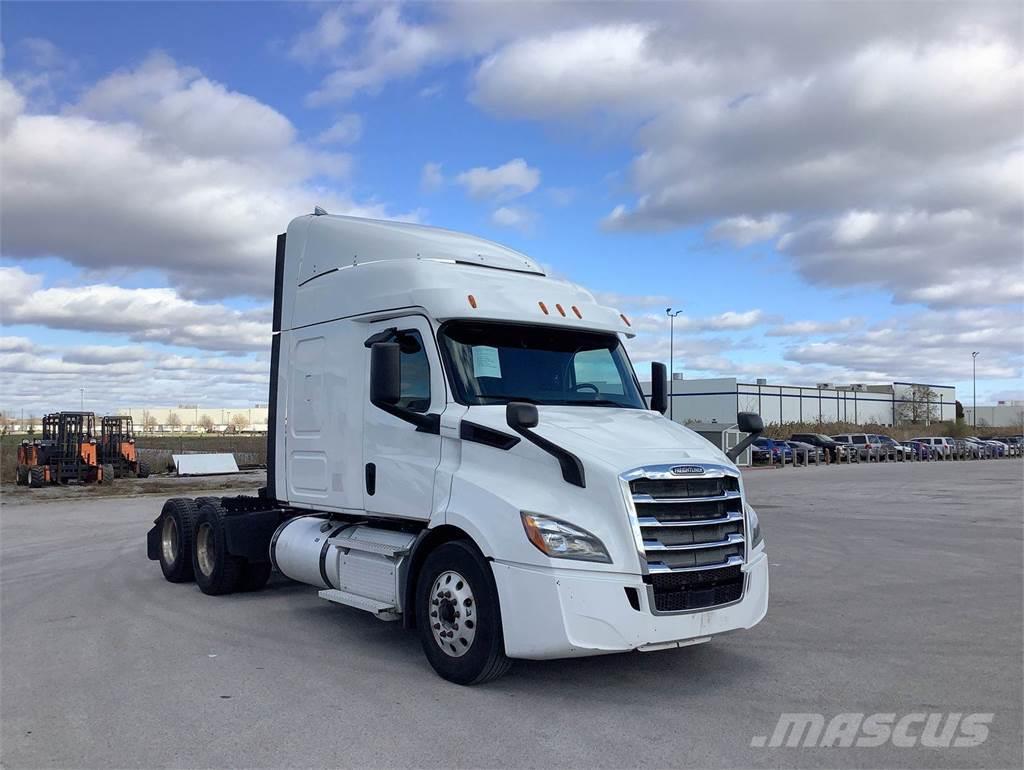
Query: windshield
{"x": 495, "y": 363}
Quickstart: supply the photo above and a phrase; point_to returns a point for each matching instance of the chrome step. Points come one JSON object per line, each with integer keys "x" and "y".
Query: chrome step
{"x": 383, "y": 549}
{"x": 382, "y": 610}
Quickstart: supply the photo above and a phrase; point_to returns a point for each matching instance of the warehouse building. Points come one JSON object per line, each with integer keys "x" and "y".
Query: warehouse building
{"x": 189, "y": 418}
{"x": 717, "y": 400}
{"x": 1005, "y": 414}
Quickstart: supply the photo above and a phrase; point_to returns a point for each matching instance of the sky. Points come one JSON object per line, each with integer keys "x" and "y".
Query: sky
{"x": 827, "y": 192}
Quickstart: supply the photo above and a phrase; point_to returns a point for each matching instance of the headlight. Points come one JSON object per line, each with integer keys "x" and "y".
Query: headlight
{"x": 561, "y": 540}
{"x": 753, "y": 527}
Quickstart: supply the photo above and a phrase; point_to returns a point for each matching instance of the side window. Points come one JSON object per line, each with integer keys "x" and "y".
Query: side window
{"x": 858, "y": 439}
{"x": 597, "y": 367}
{"x": 415, "y": 372}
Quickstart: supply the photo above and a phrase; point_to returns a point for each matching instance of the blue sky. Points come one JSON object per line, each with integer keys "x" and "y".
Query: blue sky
{"x": 785, "y": 184}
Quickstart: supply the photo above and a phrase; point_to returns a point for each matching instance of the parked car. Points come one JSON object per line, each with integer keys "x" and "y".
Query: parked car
{"x": 921, "y": 450}
{"x": 896, "y": 450}
{"x": 826, "y": 443}
{"x": 945, "y": 446}
{"x": 799, "y": 447}
{"x": 779, "y": 452}
{"x": 864, "y": 442}
{"x": 1015, "y": 444}
{"x": 987, "y": 447}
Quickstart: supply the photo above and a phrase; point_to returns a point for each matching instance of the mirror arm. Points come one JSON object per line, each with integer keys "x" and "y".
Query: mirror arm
{"x": 572, "y": 468}
{"x": 425, "y": 423}
{"x": 737, "y": 450}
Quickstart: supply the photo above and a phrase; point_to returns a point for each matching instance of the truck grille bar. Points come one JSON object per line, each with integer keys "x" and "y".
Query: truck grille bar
{"x": 691, "y": 525}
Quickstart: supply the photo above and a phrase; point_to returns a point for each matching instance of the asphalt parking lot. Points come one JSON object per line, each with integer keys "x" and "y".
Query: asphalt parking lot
{"x": 895, "y": 589}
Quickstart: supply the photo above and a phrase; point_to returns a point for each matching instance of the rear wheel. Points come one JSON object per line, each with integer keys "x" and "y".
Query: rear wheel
{"x": 108, "y": 474}
{"x": 36, "y": 476}
{"x": 458, "y": 616}
{"x": 177, "y": 527}
{"x": 143, "y": 470}
{"x": 217, "y": 572}
{"x": 21, "y": 476}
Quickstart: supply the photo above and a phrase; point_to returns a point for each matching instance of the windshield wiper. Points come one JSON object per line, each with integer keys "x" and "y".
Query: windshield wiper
{"x": 600, "y": 402}
{"x": 503, "y": 397}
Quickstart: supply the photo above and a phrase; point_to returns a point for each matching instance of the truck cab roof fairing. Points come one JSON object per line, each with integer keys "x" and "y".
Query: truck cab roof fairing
{"x": 327, "y": 276}
{"x": 336, "y": 241}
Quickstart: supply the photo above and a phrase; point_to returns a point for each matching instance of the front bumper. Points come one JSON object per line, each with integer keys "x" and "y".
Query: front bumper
{"x": 563, "y": 613}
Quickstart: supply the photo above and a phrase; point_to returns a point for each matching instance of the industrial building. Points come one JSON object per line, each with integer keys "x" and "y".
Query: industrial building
{"x": 1005, "y": 414}
{"x": 187, "y": 418}
{"x": 717, "y": 400}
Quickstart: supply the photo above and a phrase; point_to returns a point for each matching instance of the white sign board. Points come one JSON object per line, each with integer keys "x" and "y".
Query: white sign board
{"x": 205, "y": 464}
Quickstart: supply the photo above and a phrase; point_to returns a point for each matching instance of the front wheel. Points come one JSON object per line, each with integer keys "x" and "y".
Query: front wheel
{"x": 458, "y": 616}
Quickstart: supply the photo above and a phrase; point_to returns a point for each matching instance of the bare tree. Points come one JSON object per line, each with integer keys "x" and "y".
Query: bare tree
{"x": 239, "y": 421}
{"x": 149, "y": 423}
{"x": 173, "y": 420}
{"x": 206, "y": 423}
{"x": 919, "y": 405}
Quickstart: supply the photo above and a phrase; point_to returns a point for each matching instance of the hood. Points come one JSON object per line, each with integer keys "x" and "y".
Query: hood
{"x": 622, "y": 438}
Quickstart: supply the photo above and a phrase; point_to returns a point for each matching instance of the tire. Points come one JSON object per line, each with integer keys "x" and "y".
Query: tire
{"x": 466, "y": 658}
{"x": 36, "y": 476}
{"x": 108, "y": 474}
{"x": 177, "y": 529}
{"x": 143, "y": 470}
{"x": 21, "y": 476}
{"x": 255, "y": 575}
{"x": 216, "y": 571}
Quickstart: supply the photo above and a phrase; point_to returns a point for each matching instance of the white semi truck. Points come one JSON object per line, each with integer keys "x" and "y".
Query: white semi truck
{"x": 459, "y": 442}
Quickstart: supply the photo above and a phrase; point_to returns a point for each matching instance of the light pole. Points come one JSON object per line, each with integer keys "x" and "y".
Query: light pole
{"x": 974, "y": 382}
{"x": 671, "y": 357}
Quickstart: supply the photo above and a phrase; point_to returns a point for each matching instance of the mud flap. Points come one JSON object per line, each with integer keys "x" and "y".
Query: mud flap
{"x": 153, "y": 542}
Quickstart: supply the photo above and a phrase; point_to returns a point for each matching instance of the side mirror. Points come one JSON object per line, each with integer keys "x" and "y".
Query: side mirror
{"x": 750, "y": 422}
{"x": 520, "y": 416}
{"x": 385, "y": 373}
{"x": 659, "y": 387}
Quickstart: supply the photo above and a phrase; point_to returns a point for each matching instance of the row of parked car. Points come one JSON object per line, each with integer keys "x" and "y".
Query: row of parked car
{"x": 873, "y": 446}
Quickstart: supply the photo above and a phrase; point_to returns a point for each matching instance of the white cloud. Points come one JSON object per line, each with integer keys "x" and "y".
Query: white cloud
{"x": 811, "y": 328}
{"x": 509, "y": 180}
{"x": 104, "y": 354}
{"x": 744, "y": 230}
{"x": 900, "y": 125}
{"x": 431, "y": 178}
{"x": 513, "y": 216}
{"x": 171, "y": 171}
{"x": 390, "y": 48}
{"x": 142, "y": 315}
{"x": 346, "y": 130}
{"x": 324, "y": 38}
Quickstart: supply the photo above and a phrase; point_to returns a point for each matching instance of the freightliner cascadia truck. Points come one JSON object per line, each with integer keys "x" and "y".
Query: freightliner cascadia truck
{"x": 459, "y": 442}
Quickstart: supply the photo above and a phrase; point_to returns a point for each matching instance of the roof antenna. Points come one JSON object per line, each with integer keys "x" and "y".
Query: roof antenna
{"x": 319, "y": 212}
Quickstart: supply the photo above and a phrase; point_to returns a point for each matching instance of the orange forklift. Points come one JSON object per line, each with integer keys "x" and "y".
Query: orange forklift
{"x": 117, "y": 447}
{"x": 66, "y": 452}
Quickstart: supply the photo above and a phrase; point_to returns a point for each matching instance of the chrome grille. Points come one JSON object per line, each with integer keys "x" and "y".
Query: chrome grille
{"x": 692, "y": 530}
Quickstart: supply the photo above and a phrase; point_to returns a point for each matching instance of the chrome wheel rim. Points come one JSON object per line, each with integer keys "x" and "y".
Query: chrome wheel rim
{"x": 205, "y": 551}
{"x": 453, "y": 614}
{"x": 169, "y": 539}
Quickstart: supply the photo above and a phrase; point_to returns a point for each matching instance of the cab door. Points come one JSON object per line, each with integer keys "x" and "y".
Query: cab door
{"x": 400, "y": 461}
